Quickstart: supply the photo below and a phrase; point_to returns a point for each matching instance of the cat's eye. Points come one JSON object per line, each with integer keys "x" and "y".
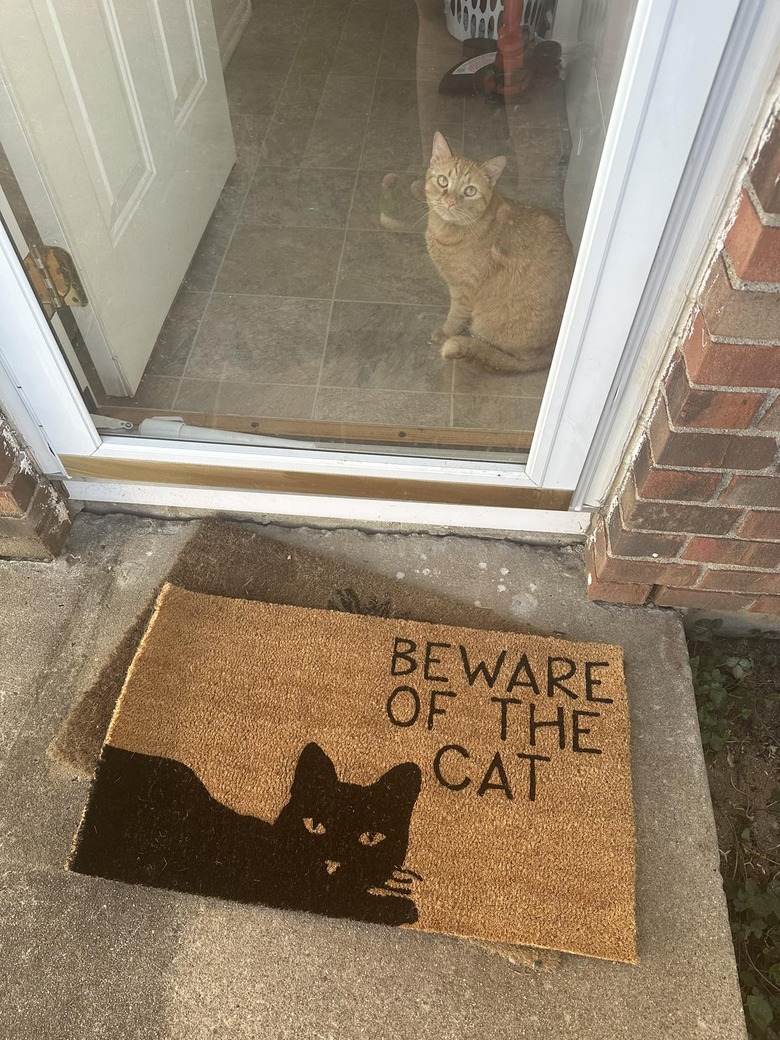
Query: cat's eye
{"x": 471, "y": 190}
{"x": 312, "y": 827}
{"x": 442, "y": 181}
{"x": 371, "y": 838}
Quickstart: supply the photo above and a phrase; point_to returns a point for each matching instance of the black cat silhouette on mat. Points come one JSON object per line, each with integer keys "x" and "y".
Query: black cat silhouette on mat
{"x": 336, "y": 848}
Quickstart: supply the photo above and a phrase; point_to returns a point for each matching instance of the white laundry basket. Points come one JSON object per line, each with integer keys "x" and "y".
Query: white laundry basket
{"x": 474, "y": 19}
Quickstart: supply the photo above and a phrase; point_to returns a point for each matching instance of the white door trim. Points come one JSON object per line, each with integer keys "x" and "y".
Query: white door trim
{"x": 723, "y": 145}
{"x": 673, "y": 54}
{"x": 191, "y": 500}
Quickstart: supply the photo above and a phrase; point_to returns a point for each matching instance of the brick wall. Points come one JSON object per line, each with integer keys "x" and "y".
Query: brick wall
{"x": 695, "y": 519}
{"x": 34, "y": 520}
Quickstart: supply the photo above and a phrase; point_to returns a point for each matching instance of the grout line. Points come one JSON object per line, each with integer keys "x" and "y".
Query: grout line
{"x": 340, "y": 299}
{"x": 349, "y": 214}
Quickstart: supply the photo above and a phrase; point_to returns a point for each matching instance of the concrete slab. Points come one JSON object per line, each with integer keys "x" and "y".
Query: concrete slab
{"x": 93, "y": 959}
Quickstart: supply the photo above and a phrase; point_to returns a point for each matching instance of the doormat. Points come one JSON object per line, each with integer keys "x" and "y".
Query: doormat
{"x": 435, "y": 777}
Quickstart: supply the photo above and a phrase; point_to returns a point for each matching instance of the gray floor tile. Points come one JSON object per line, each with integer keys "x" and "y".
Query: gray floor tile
{"x": 271, "y": 50}
{"x": 265, "y": 400}
{"x": 196, "y": 395}
{"x": 335, "y": 143}
{"x": 542, "y": 106}
{"x": 395, "y": 100}
{"x": 278, "y": 21}
{"x": 301, "y": 96}
{"x": 384, "y": 267}
{"x": 398, "y": 60}
{"x": 356, "y": 57}
{"x": 315, "y": 56}
{"x": 345, "y": 97}
{"x": 365, "y": 21}
{"x": 251, "y": 91}
{"x": 204, "y": 267}
{"x": 152, "y": 392}
{"x": 405, "y": 21}
{"x": 249, "y": 134}
{"x": 545, "y": 192}
{"x": 177, "y": 334}
{"x": 536, "y": 151}
{"x": 289, "y": 130}
{"x": 285, "y": 143}
{"x": 282, "y": 262}
{"x": 299, "y": 198}
{"x": 398, "y": 203}
{"x": 384, "y": 347}
{"x": 260, "y": 339}
{"x": 404, "y": 146}
{"x": 385, "y": 407}
{"x": 478, "y": 411}
{"x": 474, "y": 380}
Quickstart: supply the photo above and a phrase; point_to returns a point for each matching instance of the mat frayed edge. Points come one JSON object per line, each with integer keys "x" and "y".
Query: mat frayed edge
{"x": 76, "y": 840}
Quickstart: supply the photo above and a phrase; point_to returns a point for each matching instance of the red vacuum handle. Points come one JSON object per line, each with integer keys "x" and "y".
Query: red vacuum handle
{"x": 510, "y": 58}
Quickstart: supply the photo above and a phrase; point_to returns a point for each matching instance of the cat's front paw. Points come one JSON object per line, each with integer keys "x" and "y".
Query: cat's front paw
{"x": 453, "y": 348}
{"x": 438, "y": 336}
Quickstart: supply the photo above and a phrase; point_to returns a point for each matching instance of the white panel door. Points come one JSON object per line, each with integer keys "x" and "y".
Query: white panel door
{"x": 116, "y": 120}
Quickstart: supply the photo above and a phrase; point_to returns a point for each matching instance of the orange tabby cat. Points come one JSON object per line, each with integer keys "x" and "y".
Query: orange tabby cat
{"x": 507, "y": 265}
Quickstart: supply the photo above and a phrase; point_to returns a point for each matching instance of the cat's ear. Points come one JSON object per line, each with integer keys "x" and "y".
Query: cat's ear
{"x": 314, "y": 771}
{"x": 441, "y": 150}
{"x": 494, "y": 167}
{"x": 400, "y": 784}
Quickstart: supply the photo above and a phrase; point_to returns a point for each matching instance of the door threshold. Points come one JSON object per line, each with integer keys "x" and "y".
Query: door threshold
{"x": 341, "y": 433}
{"x": 539, "y": 525}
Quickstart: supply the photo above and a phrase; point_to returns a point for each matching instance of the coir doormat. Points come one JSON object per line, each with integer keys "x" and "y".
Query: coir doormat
{"x": 441, "y": 778}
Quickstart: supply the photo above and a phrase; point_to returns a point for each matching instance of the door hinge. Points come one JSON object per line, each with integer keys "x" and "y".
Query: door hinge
{"x": 54, "y": 278}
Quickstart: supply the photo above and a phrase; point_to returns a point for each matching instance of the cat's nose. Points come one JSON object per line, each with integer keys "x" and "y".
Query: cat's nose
{"x": 449, "y": 202}
{"x": 332, "y": 865}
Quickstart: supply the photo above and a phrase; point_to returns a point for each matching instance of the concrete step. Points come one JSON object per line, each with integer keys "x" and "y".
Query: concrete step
{"x": 89, "y": 959}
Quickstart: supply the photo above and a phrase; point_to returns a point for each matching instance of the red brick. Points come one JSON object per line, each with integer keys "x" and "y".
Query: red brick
{"x": 707, "y": 450}
{"x": 753, "y": 582}
{"x": 752, "y": 491}
{"x": 709, "y": 409}
{"x": 596, "y": 554}
{"x": 766, "y": 605}
{"x": 673, "y": 484}
{"x": 676, "y": 517}
{"x": 771, "y": 419}
{"x": 623, "y": 542}
{"x": 729, "y": 364}
{"x": 753, "y": 248}
{"x": 701, "y": 599}
{"x": 738, "y": 313}
{"x": 647, "y": 571}
{"x": 760, "y": 524}
{"x": 16, "y": 494}
{"x": 732, "y": 552}
{"x": 765, "y": 174}
{"x": 615, "y": 592}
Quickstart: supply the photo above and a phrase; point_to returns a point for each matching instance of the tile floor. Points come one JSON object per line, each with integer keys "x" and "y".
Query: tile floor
{"x": 297, "y": 304}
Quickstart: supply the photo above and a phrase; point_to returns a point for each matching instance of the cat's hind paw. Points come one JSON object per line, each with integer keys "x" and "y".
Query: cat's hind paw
{"x": 454, "y": 348}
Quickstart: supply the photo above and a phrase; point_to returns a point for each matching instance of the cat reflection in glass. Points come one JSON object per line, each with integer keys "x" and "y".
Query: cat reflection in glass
{"x": 335, "y": 848}
{"x": 507, "y": 265}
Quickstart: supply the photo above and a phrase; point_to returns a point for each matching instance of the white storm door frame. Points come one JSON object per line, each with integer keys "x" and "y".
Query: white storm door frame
{"x": 658, "y": 109}
{"x": 673, "y": 55}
